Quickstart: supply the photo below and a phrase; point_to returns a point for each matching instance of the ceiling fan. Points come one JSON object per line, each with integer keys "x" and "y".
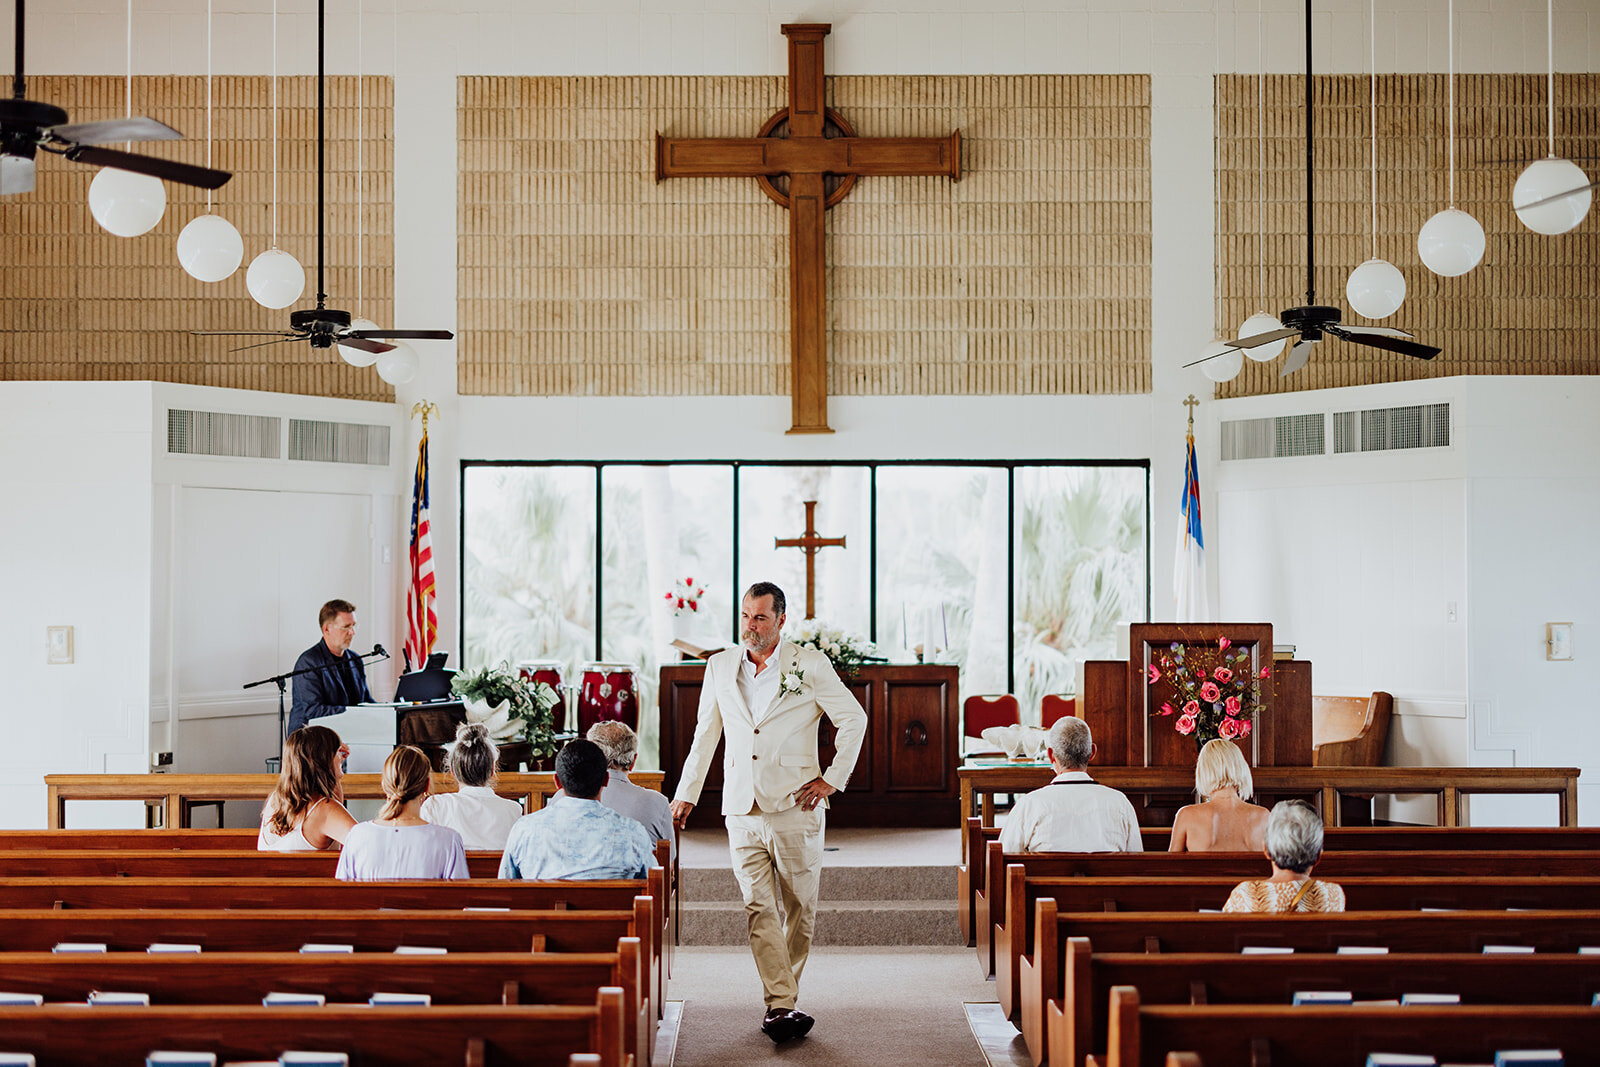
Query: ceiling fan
{"x": 1311, "y": 321}
{"x": 323, "y": 326}
{"x": 26, "y": 126}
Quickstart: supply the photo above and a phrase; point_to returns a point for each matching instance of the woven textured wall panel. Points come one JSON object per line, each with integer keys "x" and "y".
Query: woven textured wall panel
{"x": 578, "y": 274}
{"x": 1528, "y": 308}
{"x": 77, "y": 303}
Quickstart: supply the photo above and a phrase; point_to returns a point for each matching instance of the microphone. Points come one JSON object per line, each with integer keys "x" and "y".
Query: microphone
{"x": 379, "y": 650}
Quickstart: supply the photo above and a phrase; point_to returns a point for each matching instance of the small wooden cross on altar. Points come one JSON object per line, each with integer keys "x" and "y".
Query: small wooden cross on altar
{"x": 817, "y": 142}
{"x": 810, "y": 543}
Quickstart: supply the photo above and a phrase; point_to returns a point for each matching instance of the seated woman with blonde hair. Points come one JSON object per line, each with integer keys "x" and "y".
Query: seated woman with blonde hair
{"x": 1294, "y": 844}
{"x": 305, "y": 810}
{"x": 474, "y": 811}
{"x": 399, "y": 843}
{"x": 1224, "y": 820}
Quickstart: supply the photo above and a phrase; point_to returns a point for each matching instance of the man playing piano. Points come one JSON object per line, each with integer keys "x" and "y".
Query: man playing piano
{"x": 336, "y": 677}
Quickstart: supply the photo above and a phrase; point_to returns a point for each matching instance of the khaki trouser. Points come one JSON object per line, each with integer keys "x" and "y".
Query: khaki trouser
{"x": 777, "y": 859}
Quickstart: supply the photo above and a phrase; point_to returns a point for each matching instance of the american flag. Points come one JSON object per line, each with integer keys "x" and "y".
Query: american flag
{"x": 1189, "y": 568}
{"x": 422, "y": 622}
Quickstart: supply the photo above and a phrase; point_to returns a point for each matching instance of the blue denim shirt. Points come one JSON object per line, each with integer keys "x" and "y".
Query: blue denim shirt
{"x": 573, "y": 838}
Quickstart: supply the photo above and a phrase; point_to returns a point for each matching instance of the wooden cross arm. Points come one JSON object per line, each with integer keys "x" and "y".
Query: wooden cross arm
{"x": 752, "y": 157}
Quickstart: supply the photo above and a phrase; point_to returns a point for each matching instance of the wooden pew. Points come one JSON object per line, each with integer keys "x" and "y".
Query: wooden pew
{"x": 540, "y": 1035}
{"x": 1075, "y": 1022}
{"x": 125, "y": 839}
{"x": 192, "y": 863}
{"x": 1041, "y": 976}
{"x": 990, "y": 907}
{"x": 228, "y": 978}
{"x": 1342, "y": 1036}
{"x": 1013, "y": 936}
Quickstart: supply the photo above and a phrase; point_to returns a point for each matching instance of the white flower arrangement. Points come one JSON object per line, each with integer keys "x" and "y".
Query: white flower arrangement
{"x": 846, "y": 651}
{"x": 684, "y": 597}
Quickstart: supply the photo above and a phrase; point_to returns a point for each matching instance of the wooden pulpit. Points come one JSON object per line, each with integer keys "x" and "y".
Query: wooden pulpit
{"x": 906, "y": 774}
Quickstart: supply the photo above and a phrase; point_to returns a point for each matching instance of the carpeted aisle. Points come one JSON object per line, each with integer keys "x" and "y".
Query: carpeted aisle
{"x": 873, "y": 1006}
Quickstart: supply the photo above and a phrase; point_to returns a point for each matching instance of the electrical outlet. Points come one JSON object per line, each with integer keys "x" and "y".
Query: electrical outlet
{"x": 161, "y": 759}
{"x": 1450, "y": 612}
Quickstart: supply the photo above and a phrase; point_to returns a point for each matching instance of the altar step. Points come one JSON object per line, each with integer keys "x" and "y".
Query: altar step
{"x": 857, "y": 905}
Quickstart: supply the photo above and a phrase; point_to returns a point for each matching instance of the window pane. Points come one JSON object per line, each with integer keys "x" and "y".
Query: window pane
{"x": 528, "y": 552}
{"x": 772, "y": 505}
{"x": 662, "y": 525}
{"x": 1080, "y": 567}
{"x": 942, "y": 568}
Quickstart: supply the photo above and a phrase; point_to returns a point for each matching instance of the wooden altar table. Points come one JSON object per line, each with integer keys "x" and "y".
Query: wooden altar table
{"x": 1323, "y": 785}
{"x": 177, "y": 794}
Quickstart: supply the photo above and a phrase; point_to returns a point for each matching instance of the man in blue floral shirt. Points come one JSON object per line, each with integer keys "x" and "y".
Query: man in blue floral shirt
{"x": 575, "y": 836}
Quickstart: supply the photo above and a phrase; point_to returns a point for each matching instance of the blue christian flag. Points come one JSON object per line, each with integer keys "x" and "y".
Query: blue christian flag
{"x": 1189, "y": 567}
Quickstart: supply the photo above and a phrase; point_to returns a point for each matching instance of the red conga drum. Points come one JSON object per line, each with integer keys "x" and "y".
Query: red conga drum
{"x": 547, "y": 671}
{"x": 608, "y": 694}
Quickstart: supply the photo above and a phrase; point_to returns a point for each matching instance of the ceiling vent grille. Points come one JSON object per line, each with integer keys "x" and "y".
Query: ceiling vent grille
{"x": 339, "y": 442}
{"x": 217, "y": 433}
{"x": 1274, "y": 438}
{"x": 1387, "y": 429}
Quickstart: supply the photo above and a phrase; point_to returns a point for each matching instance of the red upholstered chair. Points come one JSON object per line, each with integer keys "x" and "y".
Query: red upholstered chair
{"x": 1055, "y": 706}
{"x": 979, "y": 713}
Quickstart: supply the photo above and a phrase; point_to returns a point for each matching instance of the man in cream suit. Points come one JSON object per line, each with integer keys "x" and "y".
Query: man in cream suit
{"x": 766, "y": 699}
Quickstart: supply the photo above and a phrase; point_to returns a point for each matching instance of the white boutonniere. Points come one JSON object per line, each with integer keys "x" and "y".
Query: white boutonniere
{"x": 791, "y": 680}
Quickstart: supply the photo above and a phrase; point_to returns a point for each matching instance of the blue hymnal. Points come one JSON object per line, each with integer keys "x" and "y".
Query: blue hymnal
{"x": 17, "y": 1059}
{"x": 1399, "y": 1059}
{"x": 181, "y": 1059}
{"x": 1415, "y": 999}
{"x": 420, "y": 1000}
{"x": 1324, "y": 996}
{"x": 14, "y": 1000}
{"x": 315, "y": 1059}
{"x": 1529, "y": 1057}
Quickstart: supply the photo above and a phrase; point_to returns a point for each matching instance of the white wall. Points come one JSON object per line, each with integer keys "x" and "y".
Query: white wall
{"x": 74, "y": 551}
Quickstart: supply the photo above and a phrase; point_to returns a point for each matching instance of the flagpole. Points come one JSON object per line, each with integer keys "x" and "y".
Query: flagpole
{"x": 421, "y": 586}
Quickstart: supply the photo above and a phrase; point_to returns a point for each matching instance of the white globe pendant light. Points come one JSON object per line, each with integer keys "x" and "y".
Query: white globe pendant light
{"x": 399, "y": 365}
{"x": 210, "y": 248}
{"x": 1376, "y": 289}
{"x": 275, "y": 279}
{"x": 1451, "y": 243}
{"x": 1546, "y": 178}
{"x": 1259, "y": 323}
{"x": 359, "y": 357}
{"x": 1222, "y": 363}
{"x": 125, "y": 203}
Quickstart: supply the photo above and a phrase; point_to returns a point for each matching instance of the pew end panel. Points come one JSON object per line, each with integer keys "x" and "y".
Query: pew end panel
{"x": 1038, "y": 974}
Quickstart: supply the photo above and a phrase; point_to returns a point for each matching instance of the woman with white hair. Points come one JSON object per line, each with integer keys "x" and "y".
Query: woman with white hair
{"x": 1224, "y": 820}
{"x": 482, "y": 817}
{"x": 1294, "y": 844}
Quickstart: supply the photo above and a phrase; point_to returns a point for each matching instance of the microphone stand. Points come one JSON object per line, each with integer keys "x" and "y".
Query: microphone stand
{"x": 281, "y": 681}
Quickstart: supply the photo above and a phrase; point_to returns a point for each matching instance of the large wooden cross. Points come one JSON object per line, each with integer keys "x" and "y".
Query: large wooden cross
{"x": 810, "y": 543}
{"x": 805, "y": 142}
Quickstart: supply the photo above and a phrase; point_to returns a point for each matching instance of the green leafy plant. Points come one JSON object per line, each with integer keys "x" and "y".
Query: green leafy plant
{"x": 527, "y": 704}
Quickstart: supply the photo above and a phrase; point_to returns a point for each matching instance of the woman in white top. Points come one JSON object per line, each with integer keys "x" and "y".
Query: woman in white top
{"x": 399, "y": 843}
{"x": 482, "y": 819}
{"x": 305, "y": 811}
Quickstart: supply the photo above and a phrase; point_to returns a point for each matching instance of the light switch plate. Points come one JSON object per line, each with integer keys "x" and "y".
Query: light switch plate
{"x": 1557, "y": 640}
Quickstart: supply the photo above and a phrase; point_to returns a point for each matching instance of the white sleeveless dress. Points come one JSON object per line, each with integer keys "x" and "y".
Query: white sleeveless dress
{"x": 293, "y": 841}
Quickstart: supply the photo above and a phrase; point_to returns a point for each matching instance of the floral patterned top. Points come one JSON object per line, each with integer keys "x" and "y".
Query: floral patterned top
{"x": 1279, "y": 897}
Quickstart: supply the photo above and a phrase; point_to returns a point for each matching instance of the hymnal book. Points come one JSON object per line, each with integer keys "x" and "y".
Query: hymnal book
{"x": 163, "y": 946}
{"x": 1529, "y": 1057}
{"x": 485, "y": 909}
{"x": 17, "y": 1059}
{"x": 181, "y": 1059}
{"x": 294, "y": 1000}
{"x": 1281, "y": 653}
{"x": 694, "y": 651}
{"x": 1266, "y": 950}
{"x": 1430, "y": 998}
{"x": 1399, "y": 1059}
{"x": 419, "y": 950}
{"x": 1323, "y": 996}
{"x": 21, "y": 1000}
{"x": 418, "y": 1000}
{"x": 315, "y": 1059}
{"x": 79, "y": 946}
{"x": 1362, "y": 950}
{"x": 1489, "y": 950}
{"x": 119, "y": 1000}
{"x": 313, "y": 947}
{"x": 1589, "y": 950}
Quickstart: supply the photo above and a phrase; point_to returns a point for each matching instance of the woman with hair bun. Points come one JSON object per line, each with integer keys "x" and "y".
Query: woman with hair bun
{"x": 305, "y": 810}
{"x": 399, "y": 843}
{"x": 482, "y": 819}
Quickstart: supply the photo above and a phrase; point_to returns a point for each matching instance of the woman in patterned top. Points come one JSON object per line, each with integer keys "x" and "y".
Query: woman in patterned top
{"x": 1294, "y": 844}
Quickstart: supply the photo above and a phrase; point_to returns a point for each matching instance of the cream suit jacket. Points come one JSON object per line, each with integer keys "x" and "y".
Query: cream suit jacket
{"x": 771, "y": 752}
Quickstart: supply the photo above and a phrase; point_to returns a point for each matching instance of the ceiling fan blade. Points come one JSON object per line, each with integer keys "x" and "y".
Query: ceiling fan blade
{"x": 1262, "y": 338}
{"x": 1558, "y": 196}
{"x": 165, "y": 169}
{"x": 1414, "y": 349}
{"x": 263, "y": 344}
{"x": 358, "y": 341}
{"x": 409, "y": 335}
{"x": 1298, "y": 355}
{"x": 1344, "y": 329}
{"x": 111, "y": 131}
{"x": 245, "y": 333}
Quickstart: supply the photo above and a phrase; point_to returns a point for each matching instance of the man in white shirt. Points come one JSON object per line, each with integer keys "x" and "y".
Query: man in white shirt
{"x": 1073, "y": 813}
